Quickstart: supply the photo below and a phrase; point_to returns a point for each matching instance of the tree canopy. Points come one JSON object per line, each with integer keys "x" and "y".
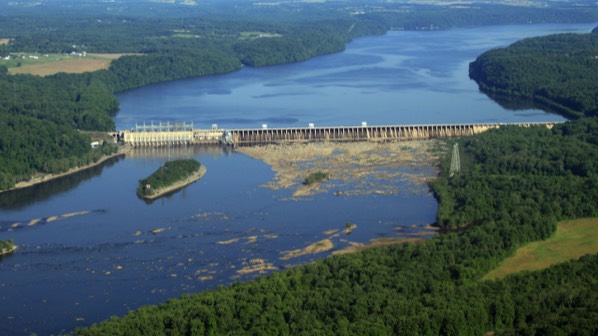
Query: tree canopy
{"x": 557, "y": 71}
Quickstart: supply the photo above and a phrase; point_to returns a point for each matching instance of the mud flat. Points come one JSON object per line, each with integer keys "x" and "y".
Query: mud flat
{"x": 363, "y": 167}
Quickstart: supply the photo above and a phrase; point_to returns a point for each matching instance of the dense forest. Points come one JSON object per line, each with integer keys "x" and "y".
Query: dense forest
{"x": 515, "y": 184}
{"x": 559, "y": 72}
{"x": 170, "y": 173}
{"x": 173, "y": 42}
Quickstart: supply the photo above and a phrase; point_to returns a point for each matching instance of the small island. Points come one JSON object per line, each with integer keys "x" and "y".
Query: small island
{"x": 171, "y": 176}
{"x": 7, "y": 247}
{"x": 316, "y": 177}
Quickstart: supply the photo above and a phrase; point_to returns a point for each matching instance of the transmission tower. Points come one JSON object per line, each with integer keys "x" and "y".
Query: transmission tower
{"x": 455, "y": 161}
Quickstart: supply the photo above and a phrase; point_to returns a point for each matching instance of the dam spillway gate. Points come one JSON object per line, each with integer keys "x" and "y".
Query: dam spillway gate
{"x": 156, "y": 137}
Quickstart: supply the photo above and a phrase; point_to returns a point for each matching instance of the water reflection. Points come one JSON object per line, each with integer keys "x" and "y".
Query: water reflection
{"x": 179, "y": 152}
{"x": 17, "y": 199}
{"x": 513, "y": 103}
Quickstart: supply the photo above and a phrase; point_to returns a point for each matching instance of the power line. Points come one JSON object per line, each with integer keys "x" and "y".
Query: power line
{"x": 455, "y": 161}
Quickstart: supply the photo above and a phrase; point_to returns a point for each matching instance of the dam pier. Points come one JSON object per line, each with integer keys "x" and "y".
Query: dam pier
{"x": 167, "y": 134}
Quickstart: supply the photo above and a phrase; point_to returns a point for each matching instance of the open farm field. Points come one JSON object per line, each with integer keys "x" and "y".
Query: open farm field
{"x": 572, "y": 240}
{"x": 49, "y": 64}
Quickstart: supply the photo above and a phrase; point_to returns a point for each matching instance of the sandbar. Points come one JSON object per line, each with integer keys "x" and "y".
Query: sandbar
{"x": 317, "y": 247}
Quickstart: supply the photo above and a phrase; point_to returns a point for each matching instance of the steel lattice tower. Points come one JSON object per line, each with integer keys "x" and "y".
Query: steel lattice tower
{"x": 455, "y": 161}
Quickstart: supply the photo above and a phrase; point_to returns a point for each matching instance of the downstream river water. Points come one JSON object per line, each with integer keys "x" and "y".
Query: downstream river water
{"x": 89, "y": 248}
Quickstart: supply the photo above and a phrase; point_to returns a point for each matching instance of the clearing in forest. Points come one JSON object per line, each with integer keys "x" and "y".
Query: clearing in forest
{"x": 252, "y": 35}
{"x": 49, "y": 64}
{"x": 4, "y": 41}
{"x": 573, "y": 239}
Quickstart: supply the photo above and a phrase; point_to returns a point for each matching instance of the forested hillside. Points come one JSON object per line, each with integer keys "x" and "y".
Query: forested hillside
{"x": 40, "y": 119}
{"x": 559, "y": 72}
{"x": 517, "y": 183}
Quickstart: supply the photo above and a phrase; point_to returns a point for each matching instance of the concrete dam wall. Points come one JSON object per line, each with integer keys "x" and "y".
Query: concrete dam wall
{"x": 257, "y": 136}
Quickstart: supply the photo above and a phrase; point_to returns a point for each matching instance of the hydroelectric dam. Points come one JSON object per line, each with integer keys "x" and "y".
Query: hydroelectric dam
{"x": 167, "y": 134}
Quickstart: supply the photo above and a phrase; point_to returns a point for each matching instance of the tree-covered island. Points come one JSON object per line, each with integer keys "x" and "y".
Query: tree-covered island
{"x": 173, "y": 175}
{"x": 7, "y": 247}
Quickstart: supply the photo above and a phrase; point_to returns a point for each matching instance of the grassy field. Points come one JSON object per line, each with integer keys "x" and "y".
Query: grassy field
{"x": 572, "y": 240}
{"x": 49, "y": 64}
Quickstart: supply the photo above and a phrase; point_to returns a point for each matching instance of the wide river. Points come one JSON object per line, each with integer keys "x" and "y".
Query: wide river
{"x": 89, "y": 248}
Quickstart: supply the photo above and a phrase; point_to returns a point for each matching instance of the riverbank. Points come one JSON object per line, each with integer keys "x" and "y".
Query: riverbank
{"x": 122, "y": 150}
{"x": 178, "y": 185}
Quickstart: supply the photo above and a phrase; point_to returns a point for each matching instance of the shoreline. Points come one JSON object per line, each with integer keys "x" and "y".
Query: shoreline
{"x": 377, "y": 242}
{"x": 178, "y": 185}
{"x": 9, "y": 251}
{"x": 49, "y": 177}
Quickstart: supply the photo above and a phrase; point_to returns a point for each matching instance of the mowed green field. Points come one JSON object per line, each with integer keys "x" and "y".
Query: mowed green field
{"x": 572, "y": 240}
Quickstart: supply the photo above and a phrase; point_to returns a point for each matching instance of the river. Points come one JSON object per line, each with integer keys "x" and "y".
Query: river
{"x": 89, "y": 248}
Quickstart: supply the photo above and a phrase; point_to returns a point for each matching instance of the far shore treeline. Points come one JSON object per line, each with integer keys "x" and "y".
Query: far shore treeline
{"x": 40, "y": 118}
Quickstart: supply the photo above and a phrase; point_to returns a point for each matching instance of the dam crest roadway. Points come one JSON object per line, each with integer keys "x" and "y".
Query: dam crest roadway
{"x": 167, "y": 134}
